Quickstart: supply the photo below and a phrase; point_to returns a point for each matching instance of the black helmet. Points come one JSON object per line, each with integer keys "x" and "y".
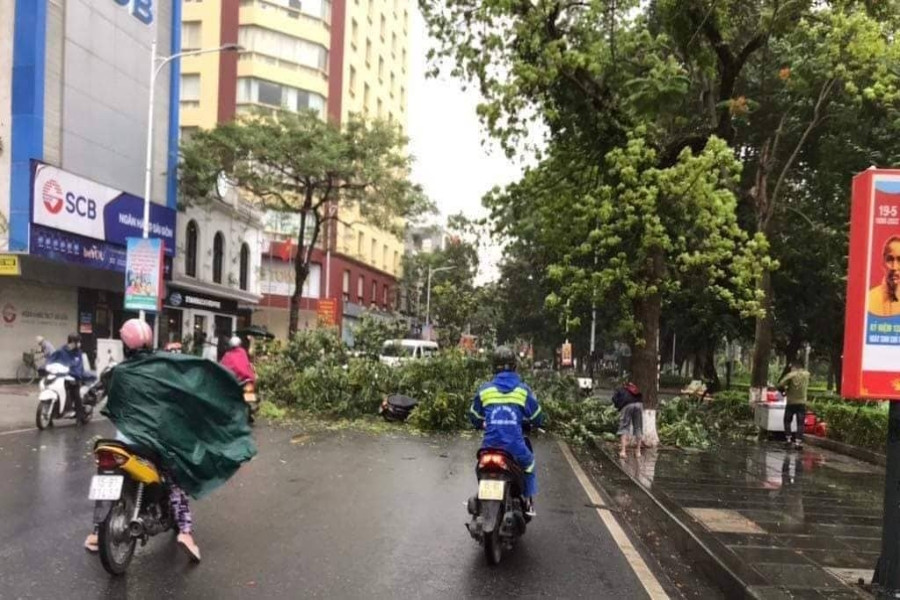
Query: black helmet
{"x": 74, "y": 338}
{"x": 504, "y": 359}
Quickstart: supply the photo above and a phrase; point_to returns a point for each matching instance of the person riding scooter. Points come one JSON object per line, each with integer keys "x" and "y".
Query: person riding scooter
{"x": 237, "y": 361}
{"x": 501, "y": 408}
{"x": 70, "y": 356}
{"x": 137, "y": 339}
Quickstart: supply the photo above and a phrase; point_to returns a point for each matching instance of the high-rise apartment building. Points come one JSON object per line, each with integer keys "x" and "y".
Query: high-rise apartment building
{"x": 337, "y": 57}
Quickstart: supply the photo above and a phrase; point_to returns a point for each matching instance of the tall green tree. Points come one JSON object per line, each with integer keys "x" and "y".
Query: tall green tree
{"x": 764, "y": 76}
{"x": 301, "y": 165}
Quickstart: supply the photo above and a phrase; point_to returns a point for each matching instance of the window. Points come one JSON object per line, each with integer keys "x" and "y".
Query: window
{"x": 318, "y": 9}
{"x": 374, "y": 251}
{"x": 365, "y": 107}
{"x": 245, "y": 266}
{"x": 402, "y": 98}
{"x": 260, "y": 91}
{"x": 380, "y": 108}
{"x": 284, "y": 47}
{"x": 354, "y": 33}
{"x": 359, "y": 243}
{"x": 384, "y": 257}
{"x": 370, "y": 8}
{"x": 345, "y": 286}
{"x": 190, "y": 88}
{"x": 380, "y": 68}
{"x": 374, "y": 299}
{"x": 383, "y": 26}
{"x": 396, "y": 262}
{"x": 394, "y": 44}
{"x": 361, "y": 290}
{"x": 190, "y": 35}
{"x": 268, "y": 93}
{"x": 218, "y": 256}
{"x": 190, "y": 249}
{"x": 185, "y": 133}
{"x": 353, "y": 80}
{"x": 384, "y": 297}
{"x": 368, "y": 51}
{"x": 404, "y": 60}
{"x": 393, "y": 83}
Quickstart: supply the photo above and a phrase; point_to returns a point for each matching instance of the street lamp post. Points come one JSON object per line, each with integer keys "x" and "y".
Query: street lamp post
{"x": 428, "y": 293}
{"x": 156, "y": 65}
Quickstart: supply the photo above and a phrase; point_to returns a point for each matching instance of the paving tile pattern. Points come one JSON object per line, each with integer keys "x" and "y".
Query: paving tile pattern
{"x": 790, "y": 524}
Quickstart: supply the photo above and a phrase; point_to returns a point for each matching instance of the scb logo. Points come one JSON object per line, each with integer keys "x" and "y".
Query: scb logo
{"x": 142, "y": 10}
{"x": 54, "y": 202}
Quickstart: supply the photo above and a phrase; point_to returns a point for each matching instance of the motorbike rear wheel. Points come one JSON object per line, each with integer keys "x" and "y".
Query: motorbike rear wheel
{"x": 493, "y": 547}
{"x": 115, "y": 541}
{"x": 43, "y": 418}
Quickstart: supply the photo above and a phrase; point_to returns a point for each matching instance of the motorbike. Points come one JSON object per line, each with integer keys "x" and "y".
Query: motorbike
{"x": 53, "y": 402}
{"x": 251, "y": 399}
{"x": 131, "y": 496}
{"x": 498, "y": 509}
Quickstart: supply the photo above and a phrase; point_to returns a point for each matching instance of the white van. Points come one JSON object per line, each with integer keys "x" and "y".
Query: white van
{"x": 393, "y": 352}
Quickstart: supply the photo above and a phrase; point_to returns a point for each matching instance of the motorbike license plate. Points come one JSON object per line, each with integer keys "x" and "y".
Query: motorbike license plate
{"x": 106, "y": 487}
{"x": 490, "y": 489}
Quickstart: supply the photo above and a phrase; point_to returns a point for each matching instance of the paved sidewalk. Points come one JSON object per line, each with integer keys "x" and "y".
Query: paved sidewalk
{"x": 17, "y": 406}
{"x": 788, "y": 524}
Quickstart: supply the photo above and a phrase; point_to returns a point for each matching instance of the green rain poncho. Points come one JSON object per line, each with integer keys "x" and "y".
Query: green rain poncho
{"x": 188, "y": 410}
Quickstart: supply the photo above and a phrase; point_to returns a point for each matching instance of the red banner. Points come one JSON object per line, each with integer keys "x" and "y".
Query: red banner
{"x": 872, "y": 323}
{"x": 328, "y": 311}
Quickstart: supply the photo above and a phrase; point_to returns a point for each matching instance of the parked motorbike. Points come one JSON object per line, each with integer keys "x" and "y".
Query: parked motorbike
{"x": 131, "y": 498}
{"x": 498, "y": 510}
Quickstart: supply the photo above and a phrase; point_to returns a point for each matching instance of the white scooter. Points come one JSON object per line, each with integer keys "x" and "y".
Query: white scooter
{"x": 53, "y": 402}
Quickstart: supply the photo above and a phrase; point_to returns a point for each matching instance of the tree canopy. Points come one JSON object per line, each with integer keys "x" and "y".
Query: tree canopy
{"x": 299, "y": 164}
{"x": 679, "y": 136}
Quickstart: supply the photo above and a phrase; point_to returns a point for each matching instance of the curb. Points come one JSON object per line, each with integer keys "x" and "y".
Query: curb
{"x": 853, "y": 451}
{"x": 702, "y": 552}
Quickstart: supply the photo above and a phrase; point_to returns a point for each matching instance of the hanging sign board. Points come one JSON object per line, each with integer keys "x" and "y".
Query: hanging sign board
{"x": 144, "y": 274}
{"x": 871, "y": 367}
{"x": 566, "y": 355}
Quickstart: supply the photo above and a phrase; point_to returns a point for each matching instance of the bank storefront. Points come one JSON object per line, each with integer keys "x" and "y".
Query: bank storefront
{"x": 73, "y": 278}
{"x": 202, "y": 317}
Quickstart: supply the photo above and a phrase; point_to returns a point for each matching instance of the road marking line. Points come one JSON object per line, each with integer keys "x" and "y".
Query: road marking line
{"x": 18, "y": 431}
{"x": 640, "y": 568}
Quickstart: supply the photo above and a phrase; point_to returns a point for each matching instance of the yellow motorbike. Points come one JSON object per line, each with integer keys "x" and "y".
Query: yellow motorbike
{"x": 131, "y": 497}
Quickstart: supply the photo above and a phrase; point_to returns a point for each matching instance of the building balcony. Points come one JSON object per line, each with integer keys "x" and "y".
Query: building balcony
{"x": 286, "y": 20}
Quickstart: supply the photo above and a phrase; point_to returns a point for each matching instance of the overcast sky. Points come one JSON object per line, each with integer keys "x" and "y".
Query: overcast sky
{"x": 445, "y": 139}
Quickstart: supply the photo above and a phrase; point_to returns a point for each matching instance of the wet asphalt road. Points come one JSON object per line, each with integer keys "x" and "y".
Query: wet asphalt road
{"x": 334, "y": 515}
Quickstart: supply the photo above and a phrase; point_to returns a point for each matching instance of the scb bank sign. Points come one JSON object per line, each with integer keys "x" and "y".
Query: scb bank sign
{"x": 67, "y": 202}
{"x": 142, "y": 10}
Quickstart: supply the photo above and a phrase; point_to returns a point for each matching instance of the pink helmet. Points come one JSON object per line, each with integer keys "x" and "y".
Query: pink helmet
{"x": 136, "y": 334}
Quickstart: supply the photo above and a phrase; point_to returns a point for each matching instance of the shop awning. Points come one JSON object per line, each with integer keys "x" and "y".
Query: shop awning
{"x": 214, "y": 289}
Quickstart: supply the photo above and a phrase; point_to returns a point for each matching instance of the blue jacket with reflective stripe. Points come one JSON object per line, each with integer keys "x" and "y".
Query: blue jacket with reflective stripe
{"x": 501, "y": 405}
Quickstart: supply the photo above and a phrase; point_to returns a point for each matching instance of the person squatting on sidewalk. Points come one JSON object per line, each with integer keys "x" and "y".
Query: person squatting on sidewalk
{"x": 630, "y": 403}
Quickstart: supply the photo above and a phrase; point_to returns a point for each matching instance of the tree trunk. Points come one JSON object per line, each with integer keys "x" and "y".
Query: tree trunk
{"x": 301, "y": 272}
{"x": 792, "y": 352}
{"x": 762, "y": 344}
{"x": 729, "y": 365}
{"x": 837, "y": 364}
{"x": 697, "y": 370}
{"x": 709, "y": 371}
{"x": 645, "y": 362}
